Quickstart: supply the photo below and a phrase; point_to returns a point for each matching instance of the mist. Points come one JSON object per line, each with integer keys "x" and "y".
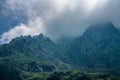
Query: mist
{"x": 56, "y": 18}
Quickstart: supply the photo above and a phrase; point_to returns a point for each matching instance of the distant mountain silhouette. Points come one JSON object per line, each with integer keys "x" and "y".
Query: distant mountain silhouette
{"x": 99, "y": 46}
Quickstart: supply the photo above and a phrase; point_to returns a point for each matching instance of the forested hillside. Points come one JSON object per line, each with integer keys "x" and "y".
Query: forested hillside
{"x": 93, "y": 56}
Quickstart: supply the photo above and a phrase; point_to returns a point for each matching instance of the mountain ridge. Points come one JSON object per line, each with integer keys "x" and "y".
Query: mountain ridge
{"x": 93, "y": 43}
{"x": 97, "y": 50}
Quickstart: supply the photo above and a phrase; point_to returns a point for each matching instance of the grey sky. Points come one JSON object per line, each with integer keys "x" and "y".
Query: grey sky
{"x": 55, "y": 18}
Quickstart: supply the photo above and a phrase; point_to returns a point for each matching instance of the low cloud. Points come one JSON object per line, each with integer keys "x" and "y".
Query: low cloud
{"x": 32, "y": 28}
{"x": 56, "y": 18}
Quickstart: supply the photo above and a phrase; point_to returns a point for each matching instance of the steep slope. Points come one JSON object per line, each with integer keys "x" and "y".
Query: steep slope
{"x": 34, "y": 58}
{"x": 29, "y": 53}
{"x": 30, "y": 46}
{"x": 98, "y": 47}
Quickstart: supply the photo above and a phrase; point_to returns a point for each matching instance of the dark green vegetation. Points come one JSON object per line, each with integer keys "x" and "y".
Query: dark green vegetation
{"x": 97, "y": 52}
{"x": 70, "y": 75}
{"x": 98, "y": 47}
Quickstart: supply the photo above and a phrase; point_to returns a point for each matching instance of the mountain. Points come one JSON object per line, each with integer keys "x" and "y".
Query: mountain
{"x": 98, "y": 47}
{"x": 30, "y": 46}
{"x": 27, "y": 50}
{"x": 38, "y": 50}
{"x": 39, "y": 58}
{"x": 28, "y": 54}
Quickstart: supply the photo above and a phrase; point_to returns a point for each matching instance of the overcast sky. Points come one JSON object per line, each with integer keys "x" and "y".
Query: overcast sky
{"x": 56, "y": 18}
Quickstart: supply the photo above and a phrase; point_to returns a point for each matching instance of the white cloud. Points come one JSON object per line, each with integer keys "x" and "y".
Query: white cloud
{"x": 32, "y": 28}
{"x": 56, "y": 17}
{"x": 37, "y": 12}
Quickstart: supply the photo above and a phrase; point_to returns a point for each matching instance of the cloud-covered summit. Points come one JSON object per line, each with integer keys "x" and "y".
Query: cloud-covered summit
{"x": 55, "y": 18}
